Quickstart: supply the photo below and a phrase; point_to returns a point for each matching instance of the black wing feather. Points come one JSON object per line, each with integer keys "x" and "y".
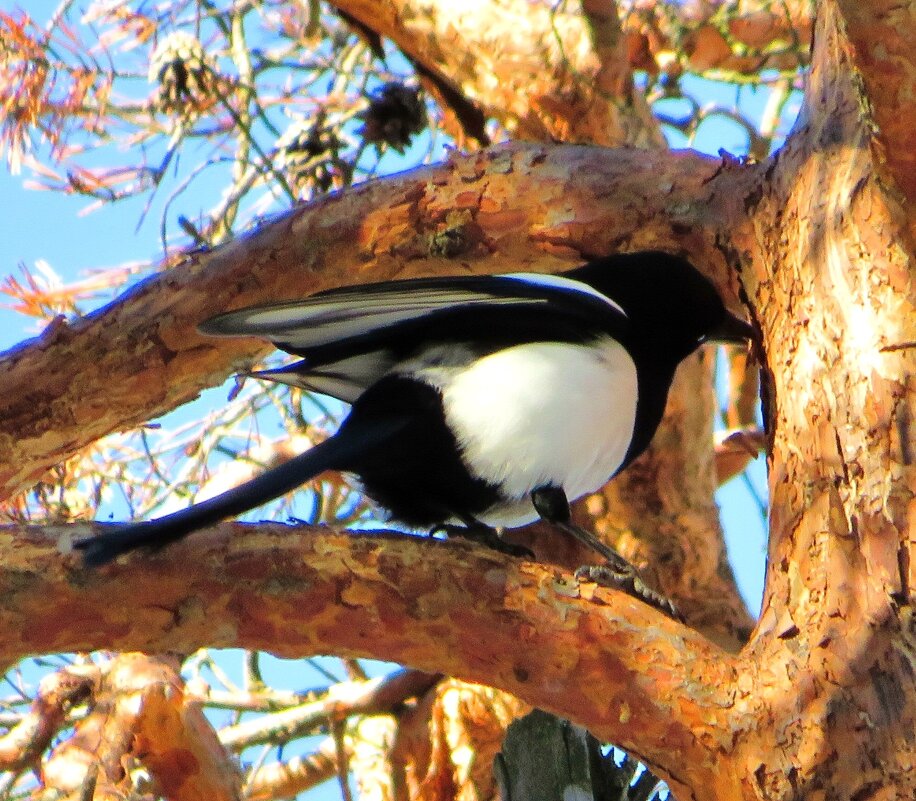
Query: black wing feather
{"x": 350, "y": 337}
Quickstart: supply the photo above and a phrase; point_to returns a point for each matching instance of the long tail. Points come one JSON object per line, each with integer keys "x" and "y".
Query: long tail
{"x": 340, "y": 452}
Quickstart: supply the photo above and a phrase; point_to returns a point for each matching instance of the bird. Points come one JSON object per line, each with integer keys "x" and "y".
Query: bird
{"x": 477, "y": 402}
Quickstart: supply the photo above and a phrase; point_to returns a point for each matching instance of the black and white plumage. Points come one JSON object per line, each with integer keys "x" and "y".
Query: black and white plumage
{"x": 483, "y": 401}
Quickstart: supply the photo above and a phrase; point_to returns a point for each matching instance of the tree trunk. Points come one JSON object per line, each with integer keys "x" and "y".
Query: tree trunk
{"x": 829, "y": 672}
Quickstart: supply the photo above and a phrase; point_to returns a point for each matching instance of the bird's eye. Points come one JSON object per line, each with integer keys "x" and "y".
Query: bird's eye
{"x": 702, "y": 338}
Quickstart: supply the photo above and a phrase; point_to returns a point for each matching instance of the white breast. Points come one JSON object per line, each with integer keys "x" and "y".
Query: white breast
{"x": 542, "y": 413}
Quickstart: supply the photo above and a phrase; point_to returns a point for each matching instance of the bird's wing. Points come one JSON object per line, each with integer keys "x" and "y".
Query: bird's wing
{"x": 345, "y": 379}
{"x": 351, "y": 336}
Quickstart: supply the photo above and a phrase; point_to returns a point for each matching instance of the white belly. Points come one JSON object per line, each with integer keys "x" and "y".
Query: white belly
{"x": 543, "y": 413}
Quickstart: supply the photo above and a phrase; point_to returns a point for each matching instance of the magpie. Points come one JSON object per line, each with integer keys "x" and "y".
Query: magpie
{"x": 477, "y": 402}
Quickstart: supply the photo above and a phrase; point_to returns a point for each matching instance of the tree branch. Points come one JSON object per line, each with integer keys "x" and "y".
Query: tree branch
{"x": 881, "y": 36}
{"x": 24, "y": 744}
{"x": 140, "y": 709}
{"x": 140, "y": 355}
{"x": 541, "y": 84}
{"x": 731, "y": 38}
{"x": 372, "y": 697}
{"x": 286, "y": 779}
{"x": 645, "y": 682}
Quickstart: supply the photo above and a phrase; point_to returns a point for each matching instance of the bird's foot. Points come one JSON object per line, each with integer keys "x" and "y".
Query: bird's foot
{"x": 485, "y": 536}
{"x": 629, "y": 581}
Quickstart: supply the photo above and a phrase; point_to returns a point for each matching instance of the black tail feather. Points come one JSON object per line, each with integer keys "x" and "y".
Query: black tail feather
{"x": 337, "y": 453}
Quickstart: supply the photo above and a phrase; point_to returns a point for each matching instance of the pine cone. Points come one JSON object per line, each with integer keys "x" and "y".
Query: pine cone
{"x": 395, "y": 115}
{"x": 179, "y": 65}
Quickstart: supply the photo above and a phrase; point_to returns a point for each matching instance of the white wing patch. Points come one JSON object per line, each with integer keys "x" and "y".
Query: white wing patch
{"x": 561, "y": 282}
{"x": 320, "y": 321}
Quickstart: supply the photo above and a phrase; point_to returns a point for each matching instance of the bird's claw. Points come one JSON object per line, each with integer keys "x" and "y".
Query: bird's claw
{"x": 629, "y": 581}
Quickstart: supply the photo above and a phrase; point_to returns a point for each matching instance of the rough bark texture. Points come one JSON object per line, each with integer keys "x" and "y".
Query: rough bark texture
{"x": 545, "y": 72}
{"x": 610, "y": 662}
{"x": 829, "y": 671}
{"x": 140, "y": 709}
{"x": 878, "y": 41}
{"x": 821, "y": 704}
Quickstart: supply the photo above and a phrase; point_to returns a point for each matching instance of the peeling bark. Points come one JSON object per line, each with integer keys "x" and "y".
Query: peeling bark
{"x": 829, "y": 670}
{"x": 140, "y": 709}
{"x": 879, "y": 40}
{"x": 821, "y": 703}
{"x": 617, "y": 666}
{"x": 545, "y": 72}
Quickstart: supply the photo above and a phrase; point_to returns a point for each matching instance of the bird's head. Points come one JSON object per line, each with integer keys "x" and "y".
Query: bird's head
{"x": 672, "y": 307}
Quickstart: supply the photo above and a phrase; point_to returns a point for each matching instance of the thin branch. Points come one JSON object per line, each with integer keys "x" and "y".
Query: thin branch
{"x": 347, "y": 698}
{"x": 59, "y": 692}
{"x": 280, "y": 780}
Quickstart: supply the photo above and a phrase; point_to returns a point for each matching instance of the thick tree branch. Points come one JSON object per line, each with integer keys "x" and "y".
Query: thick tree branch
{"x": 140, "y": 709}
{"x": 644, "y": 681}
{"x": 540, "y": 80}
{"x": 880, "y": 36}
{"x": 835, "y": 642}
{"x": 140, "y": 356}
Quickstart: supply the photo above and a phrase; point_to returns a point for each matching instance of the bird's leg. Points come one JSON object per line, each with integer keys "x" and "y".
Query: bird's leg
{"x": 553, "y": 506}
{"x": 629, "y": 582}
{"x": 475, "y": 531}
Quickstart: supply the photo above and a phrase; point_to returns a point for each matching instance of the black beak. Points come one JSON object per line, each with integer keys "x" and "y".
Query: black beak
{"x": 732, "y": 329}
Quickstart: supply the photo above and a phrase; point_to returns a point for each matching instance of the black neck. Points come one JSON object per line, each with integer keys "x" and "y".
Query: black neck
{"x": 653, "y": 384}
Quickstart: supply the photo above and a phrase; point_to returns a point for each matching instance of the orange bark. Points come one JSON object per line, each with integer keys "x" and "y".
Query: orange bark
{"x": 828, "y": 672}
{"x": 22, "y": 746}
{"x": 288, "y": 778}
{"x": 879, "y": 38}
{"x": 622, "y": 669}
{"x": 140, "y": 709}
{"x": 820, "y": 704}
{"x": 140, "y": 356}
{"x": 747, "y": 38}
{"x": 545, "y": 72}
